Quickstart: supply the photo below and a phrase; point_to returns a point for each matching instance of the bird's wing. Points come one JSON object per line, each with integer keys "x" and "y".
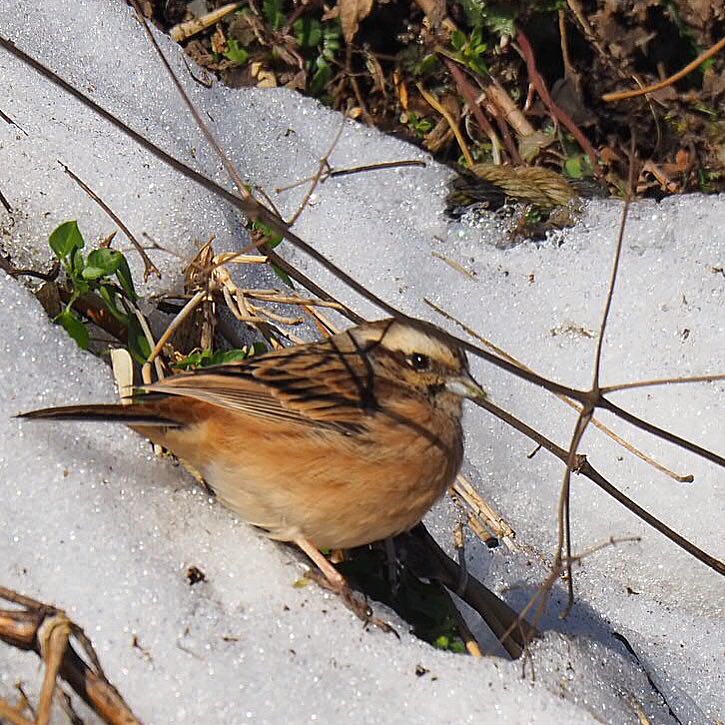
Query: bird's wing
{"x": 317, "y": 385}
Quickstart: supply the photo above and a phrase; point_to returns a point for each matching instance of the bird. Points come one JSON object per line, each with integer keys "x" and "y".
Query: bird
{"x": 330, "y": 444}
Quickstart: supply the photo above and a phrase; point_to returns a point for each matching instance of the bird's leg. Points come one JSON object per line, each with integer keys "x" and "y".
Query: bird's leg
{"x": 333, "y": 576}
{"x": 336, "y": 582}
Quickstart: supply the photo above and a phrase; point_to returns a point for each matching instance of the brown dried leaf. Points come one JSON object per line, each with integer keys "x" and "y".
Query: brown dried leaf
{"x": 376, "y": 72}
{"x": 351, "y": 13}
{"x": 435, "y": 11}
{"x": 330, "y": 14}
{"x": 219, "y": 41}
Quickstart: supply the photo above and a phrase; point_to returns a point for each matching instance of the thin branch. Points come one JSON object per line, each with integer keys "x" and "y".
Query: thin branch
{"x": 663, "y": 381}
{"x": 681, "y": 478}
{"x": 436, "y": 105}
{"x": 654, "y": 430}
{"x": 149, "y": 267}
{"x": 584, "y": 468}
{"x": 624, "y": 95}
{"x": 324, "y": 164}
{"x": 565, "y": 509}
{"x": 541, "y": 595}
{"x": 610, "y": 291}
{"x": 331, "y": 173}
{"x": 5, "y": 203}
{"x": 376, "y": 167}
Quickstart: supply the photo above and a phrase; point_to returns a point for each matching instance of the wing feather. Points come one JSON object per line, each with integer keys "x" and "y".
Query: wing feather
{"x": 314, "y": 385}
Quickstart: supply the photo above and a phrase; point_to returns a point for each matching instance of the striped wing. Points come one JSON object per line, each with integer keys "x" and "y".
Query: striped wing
{"x": 319, "y": 384}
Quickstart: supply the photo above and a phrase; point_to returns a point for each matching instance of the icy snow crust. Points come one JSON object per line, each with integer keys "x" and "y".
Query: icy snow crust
{"x": 93, "y": 523}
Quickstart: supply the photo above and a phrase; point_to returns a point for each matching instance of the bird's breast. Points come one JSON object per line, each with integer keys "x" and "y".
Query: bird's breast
{"x": 334, "y": 489}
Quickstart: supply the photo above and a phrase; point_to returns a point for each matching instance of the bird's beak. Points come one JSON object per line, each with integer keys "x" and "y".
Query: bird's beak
{"x": 465, "y": 386}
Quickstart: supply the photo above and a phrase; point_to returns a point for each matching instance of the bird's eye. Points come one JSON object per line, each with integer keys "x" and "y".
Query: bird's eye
{"x": 419, "y": 361}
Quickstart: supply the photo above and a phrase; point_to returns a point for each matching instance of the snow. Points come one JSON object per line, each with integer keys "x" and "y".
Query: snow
{"x": 95, "y": 524}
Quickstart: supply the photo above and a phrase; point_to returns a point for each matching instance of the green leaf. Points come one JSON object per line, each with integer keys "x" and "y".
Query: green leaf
{"x": 578, "y": 167}
{"x": 308, "y": 32}
{"x": 65, "y": 239}
{"x": 458, "y": 39}
{"x": 123, "y": 274}
{"x": 225, "y": 357}
{"x": 205, "y": 358}
{"x": 138, "y": 345}
{"x": 102, "y": 263}
{"x": 321, "y": 77}
{"x": 282, "y": 275}
{"x": 74, "y": 327}
{"x": 236, "y": 52}
{"x": 77, "y": 262}
{"x": 192, "y": 360}
{"x": 272, "y": 239}
{"x": 272, "y": 11}
{"x": 110, "y": 299}
{"x": 331, "y": 40}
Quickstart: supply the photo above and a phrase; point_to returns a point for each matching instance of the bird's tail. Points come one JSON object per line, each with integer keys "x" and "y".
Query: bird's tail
{"x": 135, "y": 414}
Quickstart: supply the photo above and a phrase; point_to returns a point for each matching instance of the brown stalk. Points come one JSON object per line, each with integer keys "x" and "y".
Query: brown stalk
{"x": 12, "y": 714}
{"x": 25, "y": 628}
{"x": 624, "y": 95}
{"x": 436, "y": 105}
{"x": 184, "y": 31}
{"x": 468, "y": 94}
{"x": 513, "y": 115}
{"x": 92, "y": 307}
{"x": 558, "y": 113}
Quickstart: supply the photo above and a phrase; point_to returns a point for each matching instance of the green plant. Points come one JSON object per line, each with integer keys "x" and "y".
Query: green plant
{"x": 272, "y": 10}
{"x": 235, "y": 52}
{"x": 471, "y": 49}
{"x": 320, "y": 66}
{"x": 104, "y": 272}
{"x": 497, "y": 18}
{"x": 207, "y": 358}
{"x": 419, "y": 125}
{"x": 578, "y": 166}
{"x": 307, "y": 31}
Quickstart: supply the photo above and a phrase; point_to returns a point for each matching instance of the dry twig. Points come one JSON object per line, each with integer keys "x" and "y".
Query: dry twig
{"x": 47, "y": 631}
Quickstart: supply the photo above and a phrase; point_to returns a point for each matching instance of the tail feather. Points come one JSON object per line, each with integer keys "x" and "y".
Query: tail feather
{"x": 129, "y": 414}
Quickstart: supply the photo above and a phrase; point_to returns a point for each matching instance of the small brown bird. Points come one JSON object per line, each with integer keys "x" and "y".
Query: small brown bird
{"x": 331, "y": 444}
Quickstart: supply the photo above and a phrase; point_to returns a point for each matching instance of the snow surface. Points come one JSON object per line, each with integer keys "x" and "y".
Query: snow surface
{"x": 96, "y": 525}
